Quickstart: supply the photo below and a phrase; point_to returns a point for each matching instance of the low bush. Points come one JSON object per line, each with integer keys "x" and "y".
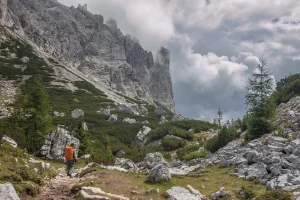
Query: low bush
{"x": 186, "y": 150}
{"x": 224, "y": 137}
{"x": 195, "y": 155}
{"x": 170, "y": 143}
{"x": 257, "y": 126}
{"x": 276, "y": 195}
{"x": 27, "y": 188}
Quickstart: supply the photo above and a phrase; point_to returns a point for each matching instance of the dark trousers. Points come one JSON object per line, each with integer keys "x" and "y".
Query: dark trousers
{"x": 70, "y": 164}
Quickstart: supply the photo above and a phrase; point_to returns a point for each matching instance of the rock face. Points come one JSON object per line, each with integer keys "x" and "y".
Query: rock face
{"x": 10, "y": 141}
{"x": 141, "y": 138}
{"x": 288, "y": 117}
{"x": 83, "y": 41}
{"x": 7, "y": 192}
{"x": 55, "y": 144}
{"x": 180, "y": 193}
{"x": 159, "y": 173}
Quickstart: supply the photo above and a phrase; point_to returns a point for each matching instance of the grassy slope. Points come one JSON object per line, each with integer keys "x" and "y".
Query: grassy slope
{"x": 108, "y": 181}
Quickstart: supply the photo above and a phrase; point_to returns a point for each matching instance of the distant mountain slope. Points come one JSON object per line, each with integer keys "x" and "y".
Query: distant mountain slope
{"x": 81, "y": 40}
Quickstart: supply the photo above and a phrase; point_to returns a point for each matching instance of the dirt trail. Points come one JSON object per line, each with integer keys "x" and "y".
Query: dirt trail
{"x": 58, "y": 188}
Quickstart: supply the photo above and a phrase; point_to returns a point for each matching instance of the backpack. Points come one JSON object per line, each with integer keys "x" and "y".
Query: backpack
{"x": 69, "y": 153}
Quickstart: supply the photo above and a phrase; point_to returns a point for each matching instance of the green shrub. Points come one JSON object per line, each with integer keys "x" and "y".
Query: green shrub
{"x": 186, "y": 150}
{"x": 9, "y": 176}
{"x": 195, "y": 155}
{"x": 276, "y": 195}
{"x": 27, "y": 187}
{"x": 170, "y": 143}
{"x": 257, "y": 126}
{"x": 222, "y": 139}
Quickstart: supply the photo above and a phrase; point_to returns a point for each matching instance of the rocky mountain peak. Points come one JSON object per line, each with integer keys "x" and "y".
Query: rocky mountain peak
{"x": 82, "y": 40}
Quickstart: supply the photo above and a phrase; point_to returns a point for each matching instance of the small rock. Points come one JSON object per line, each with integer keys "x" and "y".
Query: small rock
{"x": 220, "y": 194}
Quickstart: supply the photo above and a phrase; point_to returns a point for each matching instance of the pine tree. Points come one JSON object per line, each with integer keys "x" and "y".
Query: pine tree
{"x": 84, "y": 138}
{"x": 261, "y": 105}
{"x": 39, "y": 108}
{"x": 260, "y": 87}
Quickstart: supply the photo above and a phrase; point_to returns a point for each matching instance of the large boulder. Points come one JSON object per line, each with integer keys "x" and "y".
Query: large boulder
{"x": 180, "y": 193}
{"x": 55, "y": 144}
{"x": 126, "y": 164}
{"x": 129, "y": 109}
{"x": 77, "y": 113}
{"x": 160, "y": 173}
{"x": 152, "y": 159}
{"x": 10, "y": 141}
{"x": 141, "y": 138}
{"x": 7, "y": 192}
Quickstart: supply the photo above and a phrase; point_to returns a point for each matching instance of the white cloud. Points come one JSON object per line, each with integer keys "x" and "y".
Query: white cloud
{"x": 233, "y": 34}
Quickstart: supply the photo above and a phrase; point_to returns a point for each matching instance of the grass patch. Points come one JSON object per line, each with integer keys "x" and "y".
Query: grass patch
{"x": 213, "y": 178}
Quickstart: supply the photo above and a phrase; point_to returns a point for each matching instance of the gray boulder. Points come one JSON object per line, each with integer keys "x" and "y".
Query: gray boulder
{"x": 153, "y": 159}
{"x": 141, "y": 138}
{"x": 8, "y": 192}
{"x": 126, "y": 164}
{"x": 10, "y": 141}
{"x": 158, "y": 174}
{"x": 105, "y": 112}
{"x": 77, "y": 113}
{"x": 128, "y": 120}
{"x": 180, "y": 193}
{"x": 55, "y": 144}
{"x": 121, "y": 153}
{"x": 113, "y": 118}
{"x": 220, "y": 194}
{"x": 129, "y": 109}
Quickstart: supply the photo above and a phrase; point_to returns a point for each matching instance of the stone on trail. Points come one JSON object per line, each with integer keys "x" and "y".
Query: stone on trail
{"x": 180, "y": 193}
{"x": 8, "y": 192}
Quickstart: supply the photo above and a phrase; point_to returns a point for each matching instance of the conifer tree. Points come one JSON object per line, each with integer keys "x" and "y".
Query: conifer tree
{"x": 40, "y": 120}
{"x": 261, "y": 106}
{"x": 84, "y": 138}
{"x": 260, "y": 87}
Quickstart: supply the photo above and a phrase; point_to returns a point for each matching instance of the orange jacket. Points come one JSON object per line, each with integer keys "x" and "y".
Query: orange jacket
{"x": 69, "y": 153}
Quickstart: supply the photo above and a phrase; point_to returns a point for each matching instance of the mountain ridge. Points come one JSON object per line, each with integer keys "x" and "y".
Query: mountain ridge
{"x": 100, "y": 51}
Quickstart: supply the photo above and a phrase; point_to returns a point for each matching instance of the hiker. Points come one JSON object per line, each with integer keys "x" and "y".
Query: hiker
{"x": 70, "y": 158}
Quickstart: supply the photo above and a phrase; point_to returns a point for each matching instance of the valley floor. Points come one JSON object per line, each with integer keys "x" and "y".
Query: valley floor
{"x": 133, "y": 186}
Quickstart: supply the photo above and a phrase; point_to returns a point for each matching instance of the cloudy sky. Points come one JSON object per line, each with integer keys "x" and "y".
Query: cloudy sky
{"x": 214, "y": 44}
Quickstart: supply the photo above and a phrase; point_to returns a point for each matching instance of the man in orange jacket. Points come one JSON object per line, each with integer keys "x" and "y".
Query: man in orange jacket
{"x": 70, "y": 157}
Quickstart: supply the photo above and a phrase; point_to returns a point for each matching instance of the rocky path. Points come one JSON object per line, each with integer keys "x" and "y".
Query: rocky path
{"x": 58, "y": 188}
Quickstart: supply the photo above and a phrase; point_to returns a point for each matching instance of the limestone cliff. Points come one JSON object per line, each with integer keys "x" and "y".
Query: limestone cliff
{"x": 82, "y": 40}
